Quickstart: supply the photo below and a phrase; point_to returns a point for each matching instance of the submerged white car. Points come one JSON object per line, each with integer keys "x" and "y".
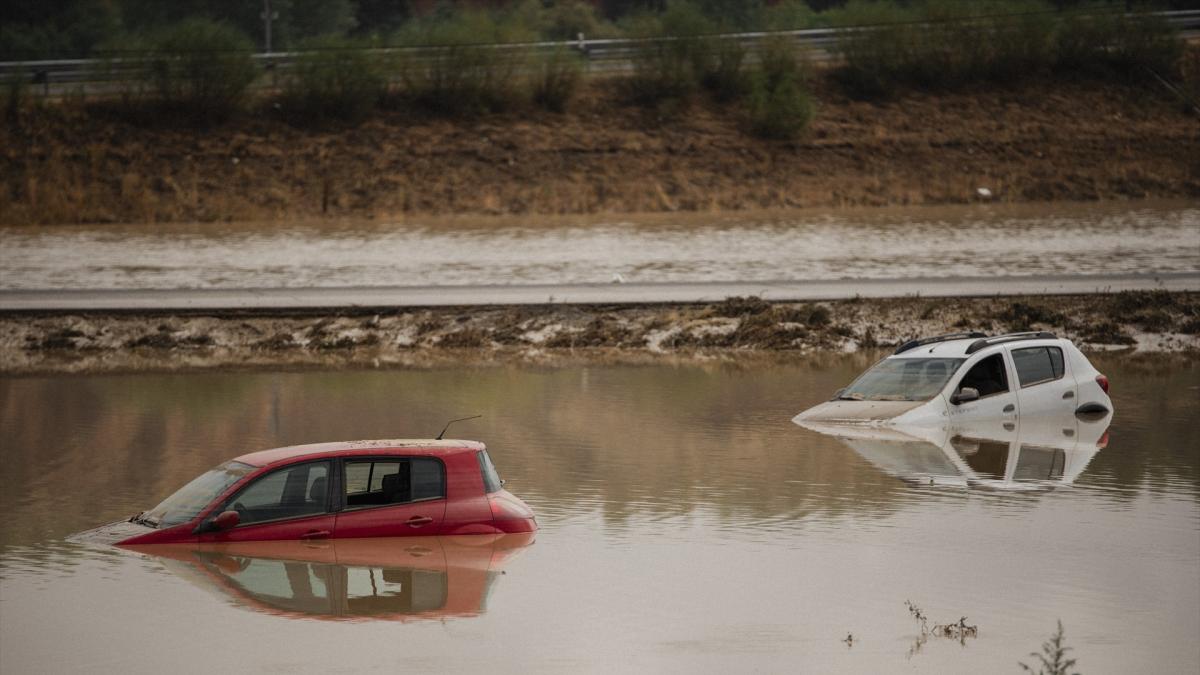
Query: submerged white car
{"x": 961, "y": 378}
{"x": 1036, "y": 453}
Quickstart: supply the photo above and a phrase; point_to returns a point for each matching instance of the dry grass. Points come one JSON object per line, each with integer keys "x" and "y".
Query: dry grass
{"x": 66, "y": 164}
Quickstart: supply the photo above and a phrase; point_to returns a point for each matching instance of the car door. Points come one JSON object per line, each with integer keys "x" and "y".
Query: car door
{"x": 391, "y": 496}
{"x": 289, "y": 503}
{"x": 991, "y": 377}
{"x": 1045, "y": 388}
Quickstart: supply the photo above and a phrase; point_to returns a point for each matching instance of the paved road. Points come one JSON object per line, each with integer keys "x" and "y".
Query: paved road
{"x": 432, "y": 296}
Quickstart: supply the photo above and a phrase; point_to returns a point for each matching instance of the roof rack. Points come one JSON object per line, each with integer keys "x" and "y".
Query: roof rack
{"x": 913, "y": 344}
{"x": 1010, "y": 337}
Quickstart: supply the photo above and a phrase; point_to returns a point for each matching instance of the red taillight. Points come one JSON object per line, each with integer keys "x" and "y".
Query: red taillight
{"x": 1103, "y": 442}
{"x": 1103, "y": 382}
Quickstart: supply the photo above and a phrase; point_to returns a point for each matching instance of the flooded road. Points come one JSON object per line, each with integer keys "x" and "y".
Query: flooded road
{"x": 895, "y": 243}
{"x": 687, "y": 526}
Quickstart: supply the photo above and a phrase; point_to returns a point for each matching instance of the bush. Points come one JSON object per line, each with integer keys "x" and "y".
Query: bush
{"x": 780, "y": 104}
{"x": 200, "y": 69}
{"x": 556, "y": 79}
{"x": 464, "y": 75}
{"x": 674, "y": 56}
{"x": 726, "y": 77}
{"x": 942, "y": 44}
{"x": 334, "y": 78}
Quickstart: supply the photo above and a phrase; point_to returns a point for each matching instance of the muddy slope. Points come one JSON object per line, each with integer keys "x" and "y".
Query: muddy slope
{"x": 1139, "y": 321}
{"x": 1041, "y": 141}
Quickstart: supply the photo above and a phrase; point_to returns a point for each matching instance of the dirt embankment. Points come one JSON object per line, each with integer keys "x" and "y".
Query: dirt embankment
{"x": 1042, "y": 141}
{"x": 1141, "y": 321}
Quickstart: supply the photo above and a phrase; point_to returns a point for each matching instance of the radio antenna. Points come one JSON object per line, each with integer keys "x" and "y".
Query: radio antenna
{"x": 461, "y": 419}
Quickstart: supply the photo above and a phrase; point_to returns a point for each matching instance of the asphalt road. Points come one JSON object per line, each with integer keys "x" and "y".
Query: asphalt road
{"x": 266, "y": 299}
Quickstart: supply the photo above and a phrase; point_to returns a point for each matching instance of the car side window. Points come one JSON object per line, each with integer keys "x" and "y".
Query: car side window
{"x": 290, "y": 492}
{"x": 393, "y": 480}
{"x": 988, "y": 376}
{"x": 1038, "y": 364}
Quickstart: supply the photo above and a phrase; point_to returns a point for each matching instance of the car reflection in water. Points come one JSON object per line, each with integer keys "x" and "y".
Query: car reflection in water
{"x": 394, "y": 579}
{"x": 1023, "y": 454}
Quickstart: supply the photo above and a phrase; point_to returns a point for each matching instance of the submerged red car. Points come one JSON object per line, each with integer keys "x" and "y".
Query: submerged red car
{"x": 349, "y": 489}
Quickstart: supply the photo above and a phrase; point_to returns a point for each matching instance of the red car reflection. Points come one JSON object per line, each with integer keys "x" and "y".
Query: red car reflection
{"x": 334, "y": 490}
{"x": 393, "y": 579}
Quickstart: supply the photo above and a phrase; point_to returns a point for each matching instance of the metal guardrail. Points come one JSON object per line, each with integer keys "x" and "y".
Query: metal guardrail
{"x": 602, "y": 55}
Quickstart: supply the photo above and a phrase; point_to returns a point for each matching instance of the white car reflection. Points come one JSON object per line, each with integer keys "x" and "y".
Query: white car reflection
{"x": 396, "y": 579}
{"x": 1028, "y": 453}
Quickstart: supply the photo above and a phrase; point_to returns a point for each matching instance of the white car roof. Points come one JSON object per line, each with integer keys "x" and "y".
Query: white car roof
{"x": 958, "y": 348}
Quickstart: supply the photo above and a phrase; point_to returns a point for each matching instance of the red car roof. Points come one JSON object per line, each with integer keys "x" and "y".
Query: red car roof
{"x": 340, "y": 448}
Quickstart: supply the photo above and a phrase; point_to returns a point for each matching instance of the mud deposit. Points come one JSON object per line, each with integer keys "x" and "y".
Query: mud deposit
{"x": 1042, "y": 141}
{"x": 1141, "y": 321}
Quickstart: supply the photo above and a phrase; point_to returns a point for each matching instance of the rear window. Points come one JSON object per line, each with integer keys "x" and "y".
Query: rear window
{"x": 491, "y": 479}
{"x": 1038, "y": 364}
{"x": 393, "y": 480}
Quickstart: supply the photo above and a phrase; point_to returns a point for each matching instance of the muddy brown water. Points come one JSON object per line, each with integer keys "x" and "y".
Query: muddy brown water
{"x": 912, "y": 242}
{"x": 686, "y": 526}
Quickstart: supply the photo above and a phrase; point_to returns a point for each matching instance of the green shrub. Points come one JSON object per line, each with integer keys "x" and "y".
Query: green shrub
{"x": 333, "y": 78}
{"x": 556, "y": 79}
{"x": 674, "y": 55}
{"x": 1108, "y": 43}
{"x": 464, "y": 75}
{"x": 726, "y": 77}
{"x": 200, "y": 69}
{"x": 16, "y": 88}
{"x": 780, "y": 104}
{"x": 945, "y": 44}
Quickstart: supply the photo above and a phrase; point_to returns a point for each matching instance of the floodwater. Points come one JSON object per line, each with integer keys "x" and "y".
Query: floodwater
{"x": 686, "y": 526}
{"x": 955, "y": 241}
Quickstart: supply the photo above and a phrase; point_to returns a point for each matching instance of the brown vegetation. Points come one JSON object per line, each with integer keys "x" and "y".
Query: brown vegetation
{"x": 1043, "y": 141}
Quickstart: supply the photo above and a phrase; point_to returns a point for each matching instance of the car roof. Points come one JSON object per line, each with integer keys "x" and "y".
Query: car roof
{"x": 428, "y": 447}
{"x": 958, "y": 348}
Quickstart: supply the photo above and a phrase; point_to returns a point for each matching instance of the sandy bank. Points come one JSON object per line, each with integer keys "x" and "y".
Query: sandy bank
{"x": 1041, "y": 141}
{"x": 1139, "y": 321}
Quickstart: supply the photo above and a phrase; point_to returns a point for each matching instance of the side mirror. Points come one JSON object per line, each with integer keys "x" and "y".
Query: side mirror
{"x": 227, "y": 520}
{"x": 965, "y": 395}
{"x": 838, "y": 394}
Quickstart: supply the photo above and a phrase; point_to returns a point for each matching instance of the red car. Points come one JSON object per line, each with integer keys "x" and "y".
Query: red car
{"x": 334, "y": 490}
{"x": 409, "y": 579}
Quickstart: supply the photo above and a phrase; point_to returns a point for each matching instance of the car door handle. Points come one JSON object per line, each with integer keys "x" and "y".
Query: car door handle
{"x": 1009, "y": 408}
{"x": 315, "y": 534}
{"x": 417, "y": 521}
{"x": 1069, "y": 395}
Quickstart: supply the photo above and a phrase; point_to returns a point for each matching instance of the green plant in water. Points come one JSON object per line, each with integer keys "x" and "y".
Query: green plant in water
{"x": 1053, "y": 656}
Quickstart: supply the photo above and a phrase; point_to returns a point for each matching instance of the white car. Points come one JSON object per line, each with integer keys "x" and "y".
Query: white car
{"x": 962, "y": 378}
{"x": 1036, "y": 453}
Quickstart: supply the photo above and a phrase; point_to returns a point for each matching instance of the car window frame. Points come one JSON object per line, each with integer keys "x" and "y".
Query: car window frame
{"x": 227, "y": 504}
{"x": 965, "y": 368}
{"x": 1017, "y": 371}
{"x": 343, "y": 507}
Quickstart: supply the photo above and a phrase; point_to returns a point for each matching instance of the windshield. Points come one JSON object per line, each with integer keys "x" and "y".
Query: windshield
{"x": 190, "y": 500}
{"x": 902, "y": 380}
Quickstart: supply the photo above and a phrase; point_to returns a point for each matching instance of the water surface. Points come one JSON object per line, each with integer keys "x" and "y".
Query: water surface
{"x": 687, "y": 526}
{"x": 954, "y": 241}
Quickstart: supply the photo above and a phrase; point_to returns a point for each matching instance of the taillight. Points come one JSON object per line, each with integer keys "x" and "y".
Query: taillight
{"x": 1103, "y": 382}
{"x": 1103, "y": 442}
